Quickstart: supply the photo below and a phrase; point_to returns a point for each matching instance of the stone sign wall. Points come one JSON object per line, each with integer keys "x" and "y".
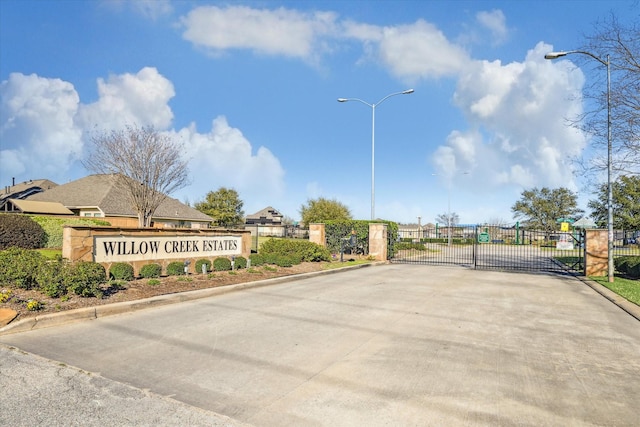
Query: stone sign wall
{"x": 138, "y": 247}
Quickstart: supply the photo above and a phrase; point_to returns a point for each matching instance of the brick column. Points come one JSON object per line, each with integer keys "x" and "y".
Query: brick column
{"x": 378, "y": 241}
{"x": 596, "y": 259}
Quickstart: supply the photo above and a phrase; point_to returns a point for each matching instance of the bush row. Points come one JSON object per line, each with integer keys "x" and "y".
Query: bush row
{"x": 28, "y": 269}
{"x": 629, "y": 265}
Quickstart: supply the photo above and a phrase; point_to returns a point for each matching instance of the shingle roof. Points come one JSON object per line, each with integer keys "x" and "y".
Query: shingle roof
{"x": 25, "y": 189}
{"x": 267, "y": 212}
{"x": 101, "y": 191}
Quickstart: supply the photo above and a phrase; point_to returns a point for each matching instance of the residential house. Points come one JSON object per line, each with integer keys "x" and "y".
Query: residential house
{"x": 21, "y": 191}
{"x": 99, "y": 196}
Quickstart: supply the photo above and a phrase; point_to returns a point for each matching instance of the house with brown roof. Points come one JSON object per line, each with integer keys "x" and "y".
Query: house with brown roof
{"x": 266, "y": 216}
{"x": 99, "y": 196}
{"x": 21, "y": 191}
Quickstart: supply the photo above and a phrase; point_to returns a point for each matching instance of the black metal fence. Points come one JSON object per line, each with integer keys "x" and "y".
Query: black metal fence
{"x": 494, "y": 247}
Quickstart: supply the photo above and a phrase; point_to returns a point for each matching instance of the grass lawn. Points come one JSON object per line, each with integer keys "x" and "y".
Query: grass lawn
{"x": 629, "y": 289}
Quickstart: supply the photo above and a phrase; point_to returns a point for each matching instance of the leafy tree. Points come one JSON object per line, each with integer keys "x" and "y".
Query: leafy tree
{"x": 321, "y": 210}
{"x": 541, "y": 208}
{"x": 450, "y": 218}
{"x": 626, "y": 204}
{"x": 224, "y": 206}
{"x": 621, "y": 41}
{"x": 146, "y": 164}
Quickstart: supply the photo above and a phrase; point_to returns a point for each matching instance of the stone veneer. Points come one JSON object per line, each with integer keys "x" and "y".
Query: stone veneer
{"x": 77, "y": 244}
{"x": 596, "y": 259}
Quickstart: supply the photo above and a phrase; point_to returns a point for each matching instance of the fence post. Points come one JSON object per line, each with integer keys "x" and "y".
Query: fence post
{"x": 378, "y": 241}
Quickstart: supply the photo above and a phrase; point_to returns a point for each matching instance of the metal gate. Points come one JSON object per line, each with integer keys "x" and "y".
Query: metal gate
{"x": 494, "y": 247}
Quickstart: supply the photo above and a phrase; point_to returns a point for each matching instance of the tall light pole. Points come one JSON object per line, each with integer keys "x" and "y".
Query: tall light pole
{"x": 373, "y": 140}
{"x": 607, "y": 63}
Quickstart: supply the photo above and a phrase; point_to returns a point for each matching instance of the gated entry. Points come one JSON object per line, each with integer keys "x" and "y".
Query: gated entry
{"x": 495, "y": 247}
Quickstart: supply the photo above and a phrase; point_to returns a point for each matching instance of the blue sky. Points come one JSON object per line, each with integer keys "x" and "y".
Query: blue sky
{"x": 250, "y": 89}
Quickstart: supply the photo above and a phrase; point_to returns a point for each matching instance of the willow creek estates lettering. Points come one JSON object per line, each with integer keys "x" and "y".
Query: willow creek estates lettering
{"x": 149, "y": 248}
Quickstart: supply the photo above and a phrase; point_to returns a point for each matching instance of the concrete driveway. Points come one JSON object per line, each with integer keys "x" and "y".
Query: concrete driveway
{"x": 391, "y": 345}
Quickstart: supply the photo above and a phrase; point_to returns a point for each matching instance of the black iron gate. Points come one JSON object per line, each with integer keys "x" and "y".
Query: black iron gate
{"x": 493, "y": 247}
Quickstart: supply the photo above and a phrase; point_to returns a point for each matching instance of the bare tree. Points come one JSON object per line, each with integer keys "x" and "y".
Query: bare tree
{"x": 621, "y": 43}
{"x": 146, "y": 164}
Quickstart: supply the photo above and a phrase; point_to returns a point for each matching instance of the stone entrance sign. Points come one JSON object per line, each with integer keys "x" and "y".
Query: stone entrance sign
{"x": 136, "y": 248}
{"x": 140, "y": 246}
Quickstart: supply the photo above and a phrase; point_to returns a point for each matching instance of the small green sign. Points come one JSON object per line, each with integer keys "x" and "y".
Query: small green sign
{"x": 484, "y": 238}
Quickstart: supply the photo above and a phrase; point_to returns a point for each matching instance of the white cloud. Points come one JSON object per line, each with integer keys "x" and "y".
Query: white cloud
{"x": 37, "y": 129}
{"x": 43, "y": 123}
{"x": 270, "y": 32}
{"x": 410, "y": 52}
{"x": 517, "y": 113}
{"x": 140, "y": 98}
{"x": 495, "y": 22}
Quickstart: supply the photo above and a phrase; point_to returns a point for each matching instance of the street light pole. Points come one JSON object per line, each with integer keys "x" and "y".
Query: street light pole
{"x": 373, "y": 139}
{"x": 607, "y": 63}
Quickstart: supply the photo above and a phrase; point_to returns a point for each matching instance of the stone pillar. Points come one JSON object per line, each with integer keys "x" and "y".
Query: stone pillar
{"x": 596, "y": 257}
{"x": 378, "y": 241}
{"x": 317, "y": 234}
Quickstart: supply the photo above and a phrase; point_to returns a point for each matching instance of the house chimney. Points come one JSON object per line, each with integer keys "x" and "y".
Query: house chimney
{"x": 13, "y": 181}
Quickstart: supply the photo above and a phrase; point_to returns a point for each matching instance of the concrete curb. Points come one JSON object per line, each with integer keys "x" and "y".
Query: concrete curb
{"x": 623, "y": 303}
{"x": 91, "y": 313}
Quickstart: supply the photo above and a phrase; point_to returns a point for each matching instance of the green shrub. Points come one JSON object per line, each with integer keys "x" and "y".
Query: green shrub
{"x": 175, "y": 268}
{"x": 200, "y": 263}
{"x": 85, "y": 279}
{"x": 221, "y": 264}
{"x": 240, "y": 262}
{"x": 53, "y": 227}
{"x": 285, "y": 261}
{"x": 121, "y": 271}
{"x": 256, "y": 260}
{"x": 151, "y": 270}
{"x": 406, "y": 245}
{"x": 20, "y": 231}
{"x": 18, "y": 267}
{"x": 52, "y": 277}
{"x": 304, "y": 249}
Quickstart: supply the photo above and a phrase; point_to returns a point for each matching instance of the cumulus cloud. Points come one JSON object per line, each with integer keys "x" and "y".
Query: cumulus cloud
{"x": 517, "y": 135}
{"x": 44, "y": 128}
{"x": 140, "y": 98}
{"x": 270, "y": 32}
{"x": 224, "y": 157}
{"x": 495, "y": 22}
{"x": 37, "y": 129}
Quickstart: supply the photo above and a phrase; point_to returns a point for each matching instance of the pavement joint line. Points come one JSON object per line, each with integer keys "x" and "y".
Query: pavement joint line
{"x": 99, "y": 311}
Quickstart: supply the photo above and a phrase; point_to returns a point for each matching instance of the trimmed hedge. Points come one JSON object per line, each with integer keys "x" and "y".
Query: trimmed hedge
{"x": 240, "y": 262}
{"x": 53, "y": 227}
{"x": 20, "y": 231}
{"x": 304, "y": 249}
{"x": 221, "y": 264}
{"x": 121, "y": 271}
{"x": 175, "y": 268}
{"x": 200, "y": 263}
{"x": 150, "y": 271}
{"x": 256, "y": 260}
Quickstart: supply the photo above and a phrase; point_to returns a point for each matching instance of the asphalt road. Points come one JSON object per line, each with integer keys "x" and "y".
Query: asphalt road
{"x": 392, "y": 345}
